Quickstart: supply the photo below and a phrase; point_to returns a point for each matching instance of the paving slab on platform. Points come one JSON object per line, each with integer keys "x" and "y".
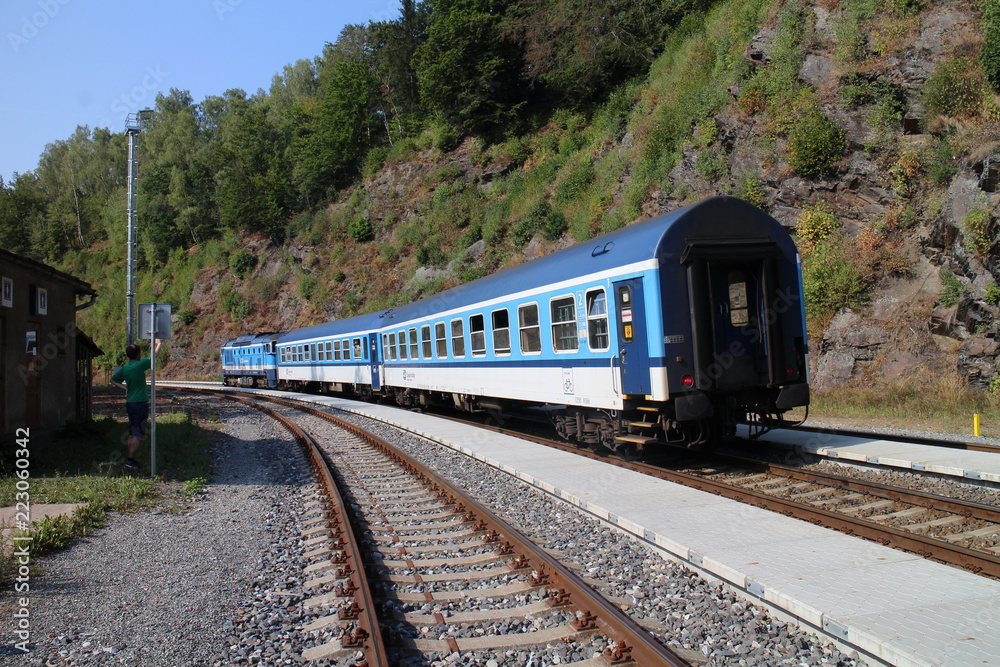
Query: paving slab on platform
{"x": 892, "y": 606}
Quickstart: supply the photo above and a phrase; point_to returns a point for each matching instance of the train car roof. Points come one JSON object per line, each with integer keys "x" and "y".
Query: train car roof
{"x": 251, "y": 339}
{"x": 670, "y": 237}
{"x": 716, "y": 220}
{"x": 350, "y": 325}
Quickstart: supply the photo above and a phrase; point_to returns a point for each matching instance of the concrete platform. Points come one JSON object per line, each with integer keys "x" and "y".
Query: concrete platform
{"x": 983, "y": 466}
{"x": 893, "y": 608}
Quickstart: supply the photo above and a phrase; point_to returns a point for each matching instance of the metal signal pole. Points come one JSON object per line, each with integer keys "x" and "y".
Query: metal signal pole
{"x": 133, "y": 126}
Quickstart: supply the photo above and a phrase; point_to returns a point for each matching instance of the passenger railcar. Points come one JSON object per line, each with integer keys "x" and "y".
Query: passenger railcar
{"x": 339, "y": 356}
{"x": 672, "y": 330}
{"x": 249, "y": 361}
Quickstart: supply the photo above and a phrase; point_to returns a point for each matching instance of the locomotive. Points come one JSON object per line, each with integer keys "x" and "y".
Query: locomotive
{"x": 669, "y": 331}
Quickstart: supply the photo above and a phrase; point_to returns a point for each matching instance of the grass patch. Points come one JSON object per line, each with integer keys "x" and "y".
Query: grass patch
{"x": 924, "y": 401}
{"x": 82, "y": 464}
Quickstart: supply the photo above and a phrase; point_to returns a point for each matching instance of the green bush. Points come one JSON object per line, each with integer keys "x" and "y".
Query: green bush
{"x": 814, "y": 143}
{"x": 814, "y": 225}
{"x": 575, "y": 183}
{"x": 712, "y": 164}
{"x": 991, "y": 294}
{"x": 990, "y": 54}
{"x": 238, "y": 307}
{"x": 444, "y": 137}
{"x": 307, "y": 286}
{"x": 360, "y": 229}
{"x": 830, "y": 276}
{"x": 954, "y": 89}
{"x": 952, "y": 288}
{"x": 241, "y": 263}
{"x": 939, "y": 161}
{"x": 975, "y": 229}
{"x": 751, "y": 189}
{"x": 186, "y": 316}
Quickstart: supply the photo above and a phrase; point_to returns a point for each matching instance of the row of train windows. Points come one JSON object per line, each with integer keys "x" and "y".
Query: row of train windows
{"x": 410, "y": 344}
{"x": 231, "y": 355}
{"x": 331, "y": 350}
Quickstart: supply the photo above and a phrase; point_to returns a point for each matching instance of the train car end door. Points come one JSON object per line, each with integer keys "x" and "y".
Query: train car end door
{"x": 633, "y": 352}
{"x": 373, "y": 348}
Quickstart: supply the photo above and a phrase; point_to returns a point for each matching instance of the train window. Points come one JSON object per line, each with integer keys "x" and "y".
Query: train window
{"x": 501, "y": 332}
{"x": 739, "y": 311}
{"x": 426, "y": 344}
{"x": 336, "y": 350}
{"x": 477, "y": 335}
{"x": 458, "y": 338}
{"x": 597, "y": 320}
{"x": 391, "y": 349}
{"x": 346, "y": 348}
{"x": 414, "y": 344}
{"x": 329, "y": 350}
{"x": 402, "y": 344}
{"x": 440, "y": 340}
{"x": 321, "y": 350}
{"x": 359, "y": 352}
{"x": 564, "y": 333}
{"x": 531, "y": 333}
{"x": 385, "y": 348}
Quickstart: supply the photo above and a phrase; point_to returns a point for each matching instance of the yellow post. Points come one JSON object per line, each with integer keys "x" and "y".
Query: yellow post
{"x": 975, "y": 424}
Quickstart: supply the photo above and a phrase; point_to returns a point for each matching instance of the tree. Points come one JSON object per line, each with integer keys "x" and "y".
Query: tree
{"x": 21, "y": 209}
{"x": 251, "y": 174}
{"x": 176, "y": 194}
{"x": 336, "y": 135}
{"x": 395, "y": 45}
{"x": 468, "y": 73}
{"x": 582, "y": 49}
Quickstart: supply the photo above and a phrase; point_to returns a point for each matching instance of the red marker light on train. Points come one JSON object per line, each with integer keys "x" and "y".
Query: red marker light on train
{"x": 687, "y": 381}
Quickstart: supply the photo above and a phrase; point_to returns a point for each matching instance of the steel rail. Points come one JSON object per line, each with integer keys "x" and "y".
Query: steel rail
{"x": 368, "y": 639}
{"x": 980, "y": 562}
{"x": 917, "y": 440}
{"x": 964, "y": 508}
{"x": 633, "y": 642}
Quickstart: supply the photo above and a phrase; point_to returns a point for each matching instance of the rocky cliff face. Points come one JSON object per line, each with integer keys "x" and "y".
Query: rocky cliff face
{"x": 903, "y": 328}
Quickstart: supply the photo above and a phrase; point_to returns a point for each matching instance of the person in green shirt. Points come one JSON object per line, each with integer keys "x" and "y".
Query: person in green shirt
{"x": 133, "y": 374}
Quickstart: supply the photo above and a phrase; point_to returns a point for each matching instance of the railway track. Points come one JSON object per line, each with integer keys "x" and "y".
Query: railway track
{"x": 960, "y": 533}
{"x": 952, "y": 531}
{"x": 934, "y": 442}
{"x": 405, "y": 563}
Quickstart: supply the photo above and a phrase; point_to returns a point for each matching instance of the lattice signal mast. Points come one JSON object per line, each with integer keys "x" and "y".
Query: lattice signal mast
{"x": 133, "y": 126}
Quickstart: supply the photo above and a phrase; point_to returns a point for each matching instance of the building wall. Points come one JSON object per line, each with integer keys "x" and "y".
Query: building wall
{"x": 38, "y": 347}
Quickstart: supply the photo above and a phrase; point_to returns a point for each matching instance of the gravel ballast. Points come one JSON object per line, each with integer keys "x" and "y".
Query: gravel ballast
{"x": 163, "y": 587}
{"x": 219, "y": 580}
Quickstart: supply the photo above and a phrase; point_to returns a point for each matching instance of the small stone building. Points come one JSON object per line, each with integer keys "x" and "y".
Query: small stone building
{"x": 45, "y": 360}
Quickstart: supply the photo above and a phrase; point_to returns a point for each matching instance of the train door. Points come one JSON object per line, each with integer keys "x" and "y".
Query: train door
{"x": 739, "y": 324}
{"x": 633, "y": 352}
{"x": 373, "y": 348}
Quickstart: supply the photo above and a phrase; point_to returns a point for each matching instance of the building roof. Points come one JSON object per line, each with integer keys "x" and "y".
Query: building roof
{"x": 79, "y": 286}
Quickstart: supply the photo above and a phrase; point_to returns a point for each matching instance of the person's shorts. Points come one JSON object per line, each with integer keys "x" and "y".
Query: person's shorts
{"x": 137, "y": 415}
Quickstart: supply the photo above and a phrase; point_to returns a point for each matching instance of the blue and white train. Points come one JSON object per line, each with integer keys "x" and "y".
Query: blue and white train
{"x": 672, "y": 330}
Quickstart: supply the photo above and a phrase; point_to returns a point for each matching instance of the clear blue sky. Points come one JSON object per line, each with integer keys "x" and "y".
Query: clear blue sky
{"x": 65, "y": 63}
